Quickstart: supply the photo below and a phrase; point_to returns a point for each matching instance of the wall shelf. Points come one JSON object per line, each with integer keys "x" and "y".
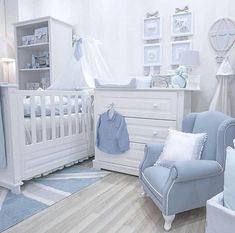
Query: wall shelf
{"x": 37, "y": 69}
{"x": 41, "y": 46}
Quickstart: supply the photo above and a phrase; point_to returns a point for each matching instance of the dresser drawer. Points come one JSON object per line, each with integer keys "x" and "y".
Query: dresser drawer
{"x": 152, "y": 105}
{"x": 148, "y": 131}
{"x": 131, "y": 158}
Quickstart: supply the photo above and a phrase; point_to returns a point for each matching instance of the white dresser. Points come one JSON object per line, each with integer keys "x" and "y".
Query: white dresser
{"x": 148, "y": 113}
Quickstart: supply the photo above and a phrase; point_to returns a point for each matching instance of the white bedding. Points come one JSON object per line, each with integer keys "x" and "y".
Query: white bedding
{"x": 37, "y": 99}
{"x": 27, "y": 124}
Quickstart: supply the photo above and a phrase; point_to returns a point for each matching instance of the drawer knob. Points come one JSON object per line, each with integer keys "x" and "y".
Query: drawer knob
{"x": 155, "y": 133}
{"x": 155, "y": 106}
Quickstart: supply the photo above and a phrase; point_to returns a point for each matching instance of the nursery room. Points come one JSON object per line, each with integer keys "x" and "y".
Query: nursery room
{"x": 117, "y": 116}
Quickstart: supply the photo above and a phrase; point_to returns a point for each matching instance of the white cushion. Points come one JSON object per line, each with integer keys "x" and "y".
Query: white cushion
{"x": 181, "y": 146}
{"x": 229, "y": 179}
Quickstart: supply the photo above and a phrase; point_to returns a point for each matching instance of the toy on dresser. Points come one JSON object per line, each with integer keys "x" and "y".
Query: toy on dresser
{"x": 179, "y": 80}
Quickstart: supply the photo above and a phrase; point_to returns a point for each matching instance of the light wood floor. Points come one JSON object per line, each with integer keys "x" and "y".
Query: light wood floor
{"x": 111, "y": 205}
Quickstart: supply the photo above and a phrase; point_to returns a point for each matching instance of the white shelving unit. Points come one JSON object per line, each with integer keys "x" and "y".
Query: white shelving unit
{"x": 58, "y": 44}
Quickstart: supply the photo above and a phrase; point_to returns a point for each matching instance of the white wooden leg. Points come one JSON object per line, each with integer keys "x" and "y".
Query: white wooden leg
{"x": 168, "y": 221}
{"x": 16, "y": 190}
{"x": 143, "y": 194}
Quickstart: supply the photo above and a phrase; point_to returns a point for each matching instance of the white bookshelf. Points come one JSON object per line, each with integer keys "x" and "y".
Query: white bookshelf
{"x": 58, "y": 45}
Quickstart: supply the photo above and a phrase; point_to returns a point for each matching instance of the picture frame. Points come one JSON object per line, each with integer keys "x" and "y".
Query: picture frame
{"x": 182, "y": 24}
{"x": 152, "y": 55}
{"x": 152, "y": 28}
{"x": 177, "y": 47}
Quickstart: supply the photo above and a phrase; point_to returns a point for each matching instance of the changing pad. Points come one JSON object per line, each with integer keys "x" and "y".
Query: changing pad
{"x": 105, "y": 84}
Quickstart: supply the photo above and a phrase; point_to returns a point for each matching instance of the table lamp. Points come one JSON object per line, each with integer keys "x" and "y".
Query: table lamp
{"x": 6, "y": 56}
{"x": 189, "y": 59}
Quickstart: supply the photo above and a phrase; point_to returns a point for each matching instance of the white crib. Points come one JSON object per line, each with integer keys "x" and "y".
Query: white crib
{"x": 56, "y": 131}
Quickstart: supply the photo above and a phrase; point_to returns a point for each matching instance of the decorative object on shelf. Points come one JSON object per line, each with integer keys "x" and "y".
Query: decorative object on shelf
{"x": 152, "y": 28}
{"x": 32, "y": 86}
{"x": 40, "y": 61}
{"x": 180, "y": 79}
{"x": 185, "y": 9}
{"x": 41, "y": 35}
{"x": 222, "y": 100}
{"x": 152, "y": 55}
{"x": 182, "y": 24}
{"x": 161, "y": 81}
{"x": 29, "y": 66}
{"x": 177, "y": 47}
{"x": 150, "y": 15}
{"x": 28, "y": 40}
{"x": 45, "y": 82}
{"x": 222, "y": 37}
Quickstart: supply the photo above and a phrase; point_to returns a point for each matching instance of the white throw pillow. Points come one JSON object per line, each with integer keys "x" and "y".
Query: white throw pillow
{"x": 181, "y": 146}
{"x": 229, "y": 179}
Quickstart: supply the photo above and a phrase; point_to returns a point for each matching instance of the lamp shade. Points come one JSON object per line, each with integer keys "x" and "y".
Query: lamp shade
{"x": 225, "y": 68}
{"x": 6, "y": 50}
{"x": 189, "y": 58}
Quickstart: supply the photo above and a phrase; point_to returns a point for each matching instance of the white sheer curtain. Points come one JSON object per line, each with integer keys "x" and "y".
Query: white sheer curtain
{"x": 221, "y": 100}
{"x": 86, "y": 64}
{"x": 93, "y": 63}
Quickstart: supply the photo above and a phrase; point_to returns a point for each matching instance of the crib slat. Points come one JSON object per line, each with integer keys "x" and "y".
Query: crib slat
{"x": 61, "y": 116}
{"x": 85, "y": 115}
{"x": 33, "y": 119}
{"x": 53, "y": 128}
{"x": 43, "y": 119}
{"x": 69, "y": 117}
{"x": 88, "y": 116}
{"x": 76, "y": 114}
{"x": 22, "y": 138}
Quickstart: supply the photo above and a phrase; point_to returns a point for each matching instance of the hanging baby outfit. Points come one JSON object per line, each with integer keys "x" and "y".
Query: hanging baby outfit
{"x": 111, "y": 135}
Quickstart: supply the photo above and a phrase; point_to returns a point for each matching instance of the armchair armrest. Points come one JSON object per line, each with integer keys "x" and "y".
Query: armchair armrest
{"x": 183, "y": 171}
{"x": 152, "y": 153}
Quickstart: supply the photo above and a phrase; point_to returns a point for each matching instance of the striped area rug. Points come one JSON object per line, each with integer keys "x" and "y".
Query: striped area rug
{"x": 41, "y": 193}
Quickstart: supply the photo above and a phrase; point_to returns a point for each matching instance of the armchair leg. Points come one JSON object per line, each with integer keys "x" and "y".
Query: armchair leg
{"x": 143, "y": 194}
{"x": 168, "y": 221}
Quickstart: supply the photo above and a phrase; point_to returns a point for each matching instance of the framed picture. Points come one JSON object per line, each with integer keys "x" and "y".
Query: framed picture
{"x": 152, "y": 28}
{"x": 152, "y": 55}
{"x": 178, "y": 47}
{"x": 182, "y": 24}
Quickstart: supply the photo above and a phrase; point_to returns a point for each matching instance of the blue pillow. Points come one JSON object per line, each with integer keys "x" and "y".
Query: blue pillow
{"x": 229, "y": 179}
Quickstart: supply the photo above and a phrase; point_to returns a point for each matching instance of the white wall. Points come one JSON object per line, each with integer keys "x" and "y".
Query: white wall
{"x": 2, "y": 30}
{"x": 118, "y": 24}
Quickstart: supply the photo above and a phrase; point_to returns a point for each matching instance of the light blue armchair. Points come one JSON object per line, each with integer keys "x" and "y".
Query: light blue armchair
{"x": 180, "y": 186}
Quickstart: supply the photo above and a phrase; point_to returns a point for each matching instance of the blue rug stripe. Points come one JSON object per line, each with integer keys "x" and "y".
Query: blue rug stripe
{"x": 16, "y": 208}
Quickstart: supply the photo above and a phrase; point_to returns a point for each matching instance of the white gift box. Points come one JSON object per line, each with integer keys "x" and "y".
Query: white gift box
{"x": 41, "y": 34}
{"x": 27, "y": 40}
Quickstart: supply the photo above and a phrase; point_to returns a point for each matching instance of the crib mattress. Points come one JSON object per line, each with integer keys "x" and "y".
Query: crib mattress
{"x": 74, "y": 118}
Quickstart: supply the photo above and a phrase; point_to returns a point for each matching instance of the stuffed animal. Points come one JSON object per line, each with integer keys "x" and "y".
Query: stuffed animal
{"x": 179, "y": 80}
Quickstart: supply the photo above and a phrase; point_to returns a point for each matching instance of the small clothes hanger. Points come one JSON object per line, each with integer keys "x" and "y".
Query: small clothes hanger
{"x": 111, "y": 111}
